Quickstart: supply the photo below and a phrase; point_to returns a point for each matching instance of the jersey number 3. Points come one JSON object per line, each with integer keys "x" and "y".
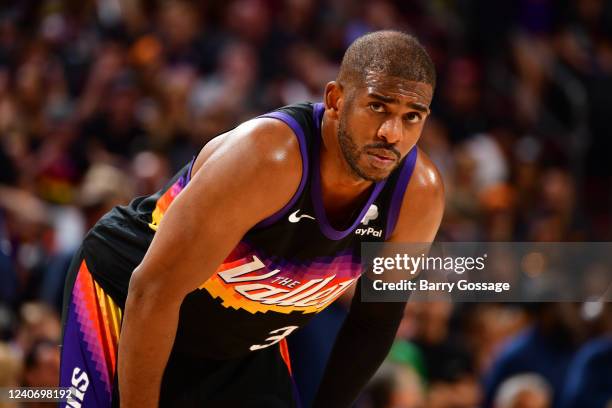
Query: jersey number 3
{"x": 278, "y": 335}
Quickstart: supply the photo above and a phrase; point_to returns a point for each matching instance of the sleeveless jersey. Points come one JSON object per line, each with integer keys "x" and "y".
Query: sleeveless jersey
{"x": 284, "y": 270}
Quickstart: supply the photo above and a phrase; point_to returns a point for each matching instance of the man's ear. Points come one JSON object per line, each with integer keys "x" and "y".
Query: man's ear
{"x": 334, "y": 98}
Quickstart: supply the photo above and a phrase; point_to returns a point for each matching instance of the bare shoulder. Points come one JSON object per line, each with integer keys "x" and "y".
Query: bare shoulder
{"x": 422, "y": 205}
{"x": 426, "y": 180}
{"x": 265, "y": 142}
{"x": 261, "y": 156}
{"x": 244, "y": 175}
{"x": 238, "y": 180}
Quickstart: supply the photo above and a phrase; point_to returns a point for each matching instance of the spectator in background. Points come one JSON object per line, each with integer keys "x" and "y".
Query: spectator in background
{"x": 114, "y": 133}
{"x": 103, "y": 187}
{"x": 589, "y": 383}
{"x": 451, "y": 372}
{"x": 486, "y": 327}
{"x": 150, "y": 172}
{"x": 546, "y": 349}
{"x": 41, "y": 365}
{"x": 461, "y": 101}
{"x": 38, "y": 322}
{"x": 394, "y": 386}
{"x": 179, "y": 26}
{"x": 23, "y": 225}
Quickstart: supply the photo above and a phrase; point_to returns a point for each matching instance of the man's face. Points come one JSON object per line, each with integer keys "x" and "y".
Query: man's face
{"x": 380, "y": 121}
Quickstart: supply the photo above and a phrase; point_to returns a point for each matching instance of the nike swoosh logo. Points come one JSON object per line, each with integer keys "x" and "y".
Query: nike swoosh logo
{"x": 293, "y": 217}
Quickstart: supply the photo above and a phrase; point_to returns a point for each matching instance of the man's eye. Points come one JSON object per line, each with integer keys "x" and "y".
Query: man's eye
{"x": 413, "y": 117}
{"x": 377, "y": 107}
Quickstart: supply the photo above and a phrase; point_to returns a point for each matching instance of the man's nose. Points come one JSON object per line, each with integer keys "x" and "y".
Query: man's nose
{"x": 391, "y": 130}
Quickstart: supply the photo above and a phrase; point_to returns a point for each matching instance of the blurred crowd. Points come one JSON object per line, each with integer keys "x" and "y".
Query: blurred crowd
{"x": 103, "y": 100}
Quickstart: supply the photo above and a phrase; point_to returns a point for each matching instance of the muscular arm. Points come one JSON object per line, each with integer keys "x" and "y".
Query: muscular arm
{"x": 370, "y": 327}
{"x": 248, "y": 175}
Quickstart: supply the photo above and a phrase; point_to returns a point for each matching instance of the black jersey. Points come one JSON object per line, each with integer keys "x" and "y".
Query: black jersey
{"x": 284, "y": 270}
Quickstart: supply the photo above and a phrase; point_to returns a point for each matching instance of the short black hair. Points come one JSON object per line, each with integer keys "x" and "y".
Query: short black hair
{"x": 388, "y": 52}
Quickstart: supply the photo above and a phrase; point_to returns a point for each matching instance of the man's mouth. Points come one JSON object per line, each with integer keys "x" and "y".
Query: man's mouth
{"x": 383, "y": 154}
{"x": 382, "y": 159}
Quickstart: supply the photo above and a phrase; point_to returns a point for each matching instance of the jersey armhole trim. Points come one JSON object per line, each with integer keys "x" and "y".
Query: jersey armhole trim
{"x": 299, "y": 132}
{"x": 398, "y": 193}
{"x": 190, "y": 169}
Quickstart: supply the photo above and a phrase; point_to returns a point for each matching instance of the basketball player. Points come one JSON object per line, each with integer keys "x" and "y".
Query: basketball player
{"x": 185, "y": 298}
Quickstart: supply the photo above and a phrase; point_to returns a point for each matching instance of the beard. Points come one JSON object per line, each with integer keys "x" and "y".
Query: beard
{"x": 352, "y": 153}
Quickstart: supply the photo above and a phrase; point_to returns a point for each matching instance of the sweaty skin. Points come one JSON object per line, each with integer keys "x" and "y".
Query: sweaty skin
{"x": 398, "y": 87}
{"x": 395, "y": 122}
{"x": 389, "y": 111}
{"x": 261, "y": 160}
